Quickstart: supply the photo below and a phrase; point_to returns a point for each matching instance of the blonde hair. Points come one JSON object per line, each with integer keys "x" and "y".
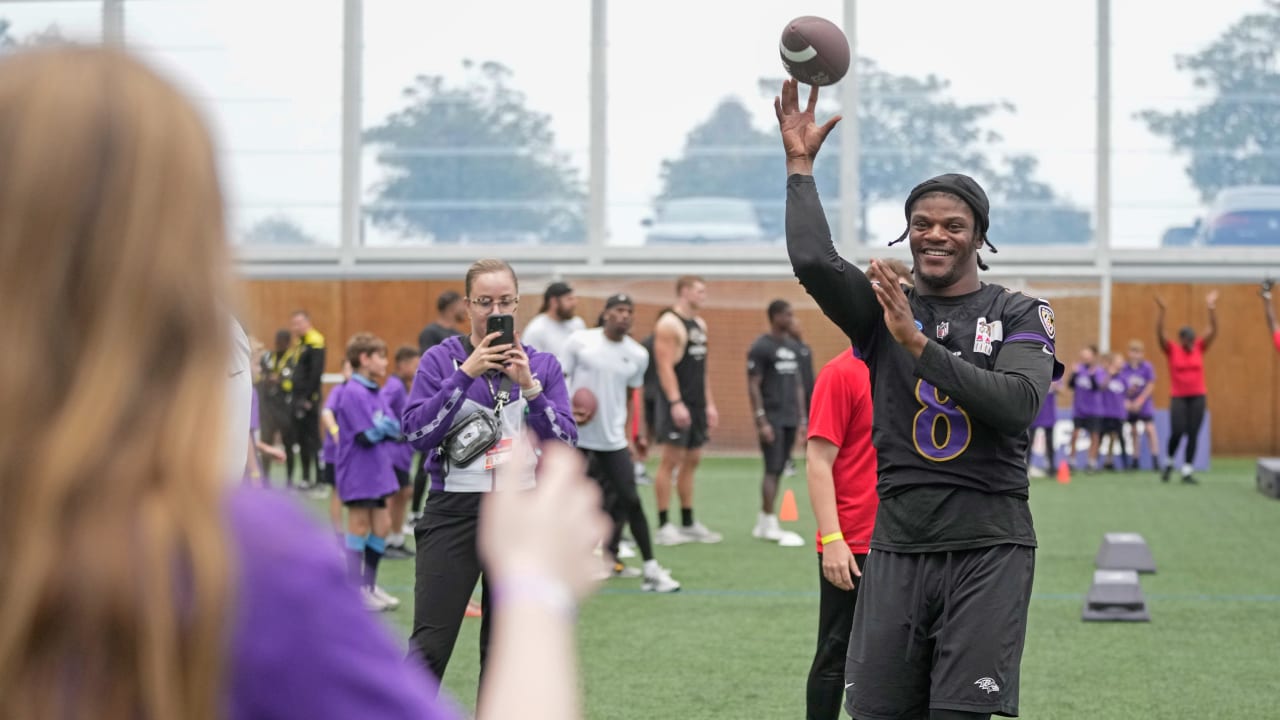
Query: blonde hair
{"x": 487, "y": 266}
{"x": 115, "y": 576}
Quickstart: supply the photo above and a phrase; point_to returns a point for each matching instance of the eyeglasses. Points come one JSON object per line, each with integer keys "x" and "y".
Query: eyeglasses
{"x": 504, "y": 304}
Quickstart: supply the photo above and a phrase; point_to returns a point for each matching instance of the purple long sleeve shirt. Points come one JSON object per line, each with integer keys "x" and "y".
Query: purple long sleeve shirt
{"x": 395, "y": 396}
{"x": 443, "y": 394}
{"x": 302, "y": 645}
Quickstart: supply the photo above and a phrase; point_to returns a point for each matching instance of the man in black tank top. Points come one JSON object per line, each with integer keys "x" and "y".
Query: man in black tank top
{"x": 959, "y": 369}
{"x": 684, "y": 411}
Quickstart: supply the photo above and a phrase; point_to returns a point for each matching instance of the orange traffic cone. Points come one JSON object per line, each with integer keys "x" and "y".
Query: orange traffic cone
{"x": 1064, "y": 472}
{"x": 788, "y": 512}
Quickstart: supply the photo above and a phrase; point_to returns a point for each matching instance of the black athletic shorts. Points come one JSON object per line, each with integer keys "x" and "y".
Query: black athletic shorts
{"x": 666, "y": 432}
{"x": 1139, "y": 417}
{"x": 372, "y": 503}
{"x": 1110, "y": 425}
{"x": 329, "y": 475}
{"x": 940, "y": 630}
{"x": 777, "y": 453}
{"x": 1088, "y": 423}
{"x": 402, "y": 478}
{"x": 650, "y": 404}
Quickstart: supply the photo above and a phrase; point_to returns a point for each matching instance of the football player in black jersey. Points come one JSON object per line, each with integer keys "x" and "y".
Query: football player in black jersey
{"x": 959, "y": 369}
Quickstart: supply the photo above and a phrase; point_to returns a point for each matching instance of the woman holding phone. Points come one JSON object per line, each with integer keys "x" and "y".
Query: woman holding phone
{"x": 474, "y": 401}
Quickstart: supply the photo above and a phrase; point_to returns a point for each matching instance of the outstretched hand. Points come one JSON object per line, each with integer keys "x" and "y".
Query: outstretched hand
{"x": 802, "y": 137}
{"x": 898, "y": 317}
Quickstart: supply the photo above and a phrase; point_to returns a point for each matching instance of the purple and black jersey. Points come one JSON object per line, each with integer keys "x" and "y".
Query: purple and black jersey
{"x": 950, "y": 427}
{"x": 1138, "y": 379}
{"x": 395, "y": 396}
{"x": 363, "y": 473}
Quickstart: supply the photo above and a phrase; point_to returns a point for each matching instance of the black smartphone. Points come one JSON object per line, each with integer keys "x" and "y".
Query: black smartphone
{"x": 505, "y": 324}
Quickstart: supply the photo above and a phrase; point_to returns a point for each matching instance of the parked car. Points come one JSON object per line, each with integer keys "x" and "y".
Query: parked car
{"x": 704, "y": 220}
{"x": 1243, "y": 215}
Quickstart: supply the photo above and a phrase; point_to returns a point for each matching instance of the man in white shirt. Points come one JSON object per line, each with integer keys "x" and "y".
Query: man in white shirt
{"x": 607, "y": 364}
{"x": 555, "y": 321}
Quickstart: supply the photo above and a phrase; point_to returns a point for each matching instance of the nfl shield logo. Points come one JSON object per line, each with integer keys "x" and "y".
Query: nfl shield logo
{"x": 944, "y": 328}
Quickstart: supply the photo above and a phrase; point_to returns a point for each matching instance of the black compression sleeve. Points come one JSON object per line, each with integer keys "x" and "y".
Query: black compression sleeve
{"x": 1007, "y": 397}
{"x": 840, "y": 288}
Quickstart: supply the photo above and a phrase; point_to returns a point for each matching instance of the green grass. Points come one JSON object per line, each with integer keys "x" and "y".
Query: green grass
{"x": 738, "y": 640}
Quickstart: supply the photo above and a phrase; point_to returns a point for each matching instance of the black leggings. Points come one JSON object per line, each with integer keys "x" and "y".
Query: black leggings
{"x": 307, "y": 431}
{"x": 824, "y": 693}
{"x": 419, "y": 482}
{"x": 447, "y": 567}
{"x": 1185, "y": 417}
{"x": 616, "y": 473}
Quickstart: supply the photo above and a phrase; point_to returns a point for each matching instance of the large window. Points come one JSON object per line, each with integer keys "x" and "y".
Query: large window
{"x": 476, "y": 128}
{"x": 269, "y": 75}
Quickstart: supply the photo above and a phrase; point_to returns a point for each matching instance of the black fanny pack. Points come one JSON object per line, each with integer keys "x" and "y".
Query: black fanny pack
{"x": 475, "y": 434}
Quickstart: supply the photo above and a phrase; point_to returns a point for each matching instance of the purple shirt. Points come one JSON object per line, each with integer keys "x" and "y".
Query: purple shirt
{"x": 1136, "y": 380}
{"x": 442, "y": 394}
{"x": 302, "y": 646}
{"x": 329, "y": 451}
{"x": 1111, "y": 394}
{"x": 363, "y": 473}
{"x": 1084, "y": 398}
{"x": 1048, "y": 411}
{"x": 394, "y": 395}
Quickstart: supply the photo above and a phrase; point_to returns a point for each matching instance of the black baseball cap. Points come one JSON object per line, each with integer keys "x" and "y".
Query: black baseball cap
{"x": 618, "y": 299}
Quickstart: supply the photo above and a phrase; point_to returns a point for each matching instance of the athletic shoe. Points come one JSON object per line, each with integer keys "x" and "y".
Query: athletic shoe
{"x": 659, "y": 581}
{"x": 1189, "y": 480}
{"x": 372, "y": 602}
{"x": 626, "y": 550}
{"x": 318, "y": 492}
{"x": 642, "y": 475}
{"x": 697, "y": 532}
{"x": 1035, "y": 472}
{"x": 390, "y": 601}
{"x": 767, "y": 528}
{"x": 1164, "y": 474}
{"x": 620, "y": 570}
{"x": 669, "y": 535}
{"x": 789, "y": 469}
{"x": 397, "y": 552}
{"x": 473, "y": 609}
{"x": 790, "y": 539}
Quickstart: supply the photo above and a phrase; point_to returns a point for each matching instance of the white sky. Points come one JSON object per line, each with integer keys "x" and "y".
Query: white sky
{"x": 273, "y": 89}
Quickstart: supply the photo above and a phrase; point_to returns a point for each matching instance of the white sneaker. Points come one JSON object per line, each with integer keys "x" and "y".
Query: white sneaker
{"x": 767, "y": 528}
{"x": 318, "y": 491}
{"x": 407, "y": 528}
{"x": 626, "y": 550}
{"x": 697, "y": 532}
{"x": 642, "y": 475}
{"x": 660, "y": 581}
{"x": 1035, "y": 472}
{"x": 391, "y": 601}
{"x": 787, "y": 538}
{"x": 371, "y": 601}
{"x": 669, "y": 535}
{"x": 789, "y": 469}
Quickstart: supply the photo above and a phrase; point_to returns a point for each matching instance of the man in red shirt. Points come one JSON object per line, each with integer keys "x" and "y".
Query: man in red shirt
{"x": 1265, "y": 292}
{"x": 842, "y": 488}
{"x": 1186, "y": 385}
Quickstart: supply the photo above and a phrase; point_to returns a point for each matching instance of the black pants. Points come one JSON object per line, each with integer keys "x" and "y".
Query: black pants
{"x": 447, "y": 567}
{"x": 419, "y": 481}
{"x": 307, "y": 430}
{"x": 616, "y": 473}
{"x": 824, "y": 693}
{"x": 1186, "y": 414}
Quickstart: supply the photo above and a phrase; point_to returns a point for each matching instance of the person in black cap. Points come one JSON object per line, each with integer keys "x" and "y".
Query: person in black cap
{"x": 556, "y": 320}
{"x": 959, "y": 369}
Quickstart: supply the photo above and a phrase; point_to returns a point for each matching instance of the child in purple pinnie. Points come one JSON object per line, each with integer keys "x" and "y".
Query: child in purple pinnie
{"x": 365, "y": 479}
{"x": 395, "y": 393}
{"x": 1111, "y": 409}
{"x": 1140, "y": 384}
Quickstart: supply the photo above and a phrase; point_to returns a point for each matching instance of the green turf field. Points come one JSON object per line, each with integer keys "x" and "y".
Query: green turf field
{"x": 737, "y": 641}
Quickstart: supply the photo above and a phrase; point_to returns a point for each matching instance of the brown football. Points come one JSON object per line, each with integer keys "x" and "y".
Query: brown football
{"x": 814, "y": 51}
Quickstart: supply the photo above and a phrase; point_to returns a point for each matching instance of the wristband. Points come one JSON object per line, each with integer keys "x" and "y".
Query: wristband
{"x": 827, "y": 539}
{"x": 760, "y": 413}
{"x": 536, "y": 590}
{"x": 533, "y": 391}
{"x": 677, "y": 401}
